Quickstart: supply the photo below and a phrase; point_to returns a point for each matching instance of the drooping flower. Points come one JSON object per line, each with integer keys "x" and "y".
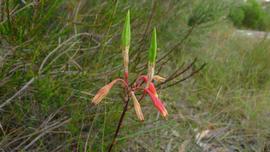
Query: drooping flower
{"x": 151, "y": 86}
{"x": 153, "y": 89}
{"x": 137, "y": 106}
{"x": 103, "y": 92}
{"x": 157, "y": 103}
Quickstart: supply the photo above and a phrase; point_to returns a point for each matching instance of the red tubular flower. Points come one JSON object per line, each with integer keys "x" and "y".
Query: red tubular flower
{"x": 151, "y": 86}
{"x": 157, "y": 103}
{"x": 153, "y": 89}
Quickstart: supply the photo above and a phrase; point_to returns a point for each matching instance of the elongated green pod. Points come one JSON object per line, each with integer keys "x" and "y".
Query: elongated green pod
{"x": 153, "y": 48}
{"x": 152, "y": 57}
{"x": 126, "y": 34}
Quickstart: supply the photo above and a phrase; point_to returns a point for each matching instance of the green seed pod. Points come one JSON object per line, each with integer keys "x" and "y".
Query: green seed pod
{"x": 126, "y": 32}
{"x": 126, "y": 43}
{"x": 153, "y": 48}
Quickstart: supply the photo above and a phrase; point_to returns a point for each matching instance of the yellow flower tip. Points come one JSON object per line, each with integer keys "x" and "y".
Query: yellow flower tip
{"x": 165, "y": 114}
{"x": 103, "y": 92}
{"x": 159, "y": 78}
{"x": 137, "y": 107}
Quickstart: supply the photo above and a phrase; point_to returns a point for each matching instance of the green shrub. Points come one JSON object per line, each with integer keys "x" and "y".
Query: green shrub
{"x": 250, "y": 15}
{"x": 207, "y": 11}
{"x": 237, "y": 16}
{"x": 253, "y": 14}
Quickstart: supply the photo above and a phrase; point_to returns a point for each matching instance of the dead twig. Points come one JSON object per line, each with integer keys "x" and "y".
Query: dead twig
{"x": 46, "y": 130}
{"x": 8, "y": 101}
{"x": 177, "y": 73}
{"x": 185, "y": 78}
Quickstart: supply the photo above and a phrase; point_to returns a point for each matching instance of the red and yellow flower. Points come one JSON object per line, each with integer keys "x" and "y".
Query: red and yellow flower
{"x": 143, "y": 82}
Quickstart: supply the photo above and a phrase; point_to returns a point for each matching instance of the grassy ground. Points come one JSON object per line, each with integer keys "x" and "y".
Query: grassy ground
{"x": 54, "y": 55}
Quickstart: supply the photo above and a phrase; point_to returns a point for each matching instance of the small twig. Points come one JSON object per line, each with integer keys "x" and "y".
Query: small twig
{"x": 2, "y": 129}
{"x": 46, "y": 130}
{"x": 162, "y": 65}
{"x": 58, "y": 47}
{"x": 185, "y": 78}
{"x": 45, "y": 125}
{"x": 177, "y": 73}
{"x": 8, "y": 101}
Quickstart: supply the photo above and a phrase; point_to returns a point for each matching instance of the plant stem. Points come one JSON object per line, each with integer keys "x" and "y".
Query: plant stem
{"x": 119, "y": 124}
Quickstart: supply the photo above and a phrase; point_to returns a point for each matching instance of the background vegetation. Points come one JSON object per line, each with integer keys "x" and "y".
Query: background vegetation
{"x": 251, "y": 15}
{"x": 54, "y": 55}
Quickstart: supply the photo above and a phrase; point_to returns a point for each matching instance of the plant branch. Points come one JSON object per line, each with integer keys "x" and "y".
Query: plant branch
{"x": 8, "y": 101}
{"x": 119, "y": 124}
{"x": 185, "y": 78}
{"x": 177, "y": 73}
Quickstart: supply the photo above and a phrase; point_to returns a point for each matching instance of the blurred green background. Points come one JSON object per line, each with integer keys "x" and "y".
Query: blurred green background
{"x": 55, "y": 55}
